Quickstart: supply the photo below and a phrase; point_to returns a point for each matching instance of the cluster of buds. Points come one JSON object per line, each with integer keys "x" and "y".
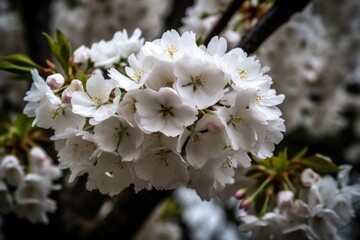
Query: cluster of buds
{"x": 27, "y": 173}
{"x": 297, "y": 198}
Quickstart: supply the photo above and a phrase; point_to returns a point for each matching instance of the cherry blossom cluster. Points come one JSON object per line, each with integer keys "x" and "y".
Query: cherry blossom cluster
{"x": 318, "y": 211}
{"x": 25, "y": 188}
{"x": 172, "y": 114}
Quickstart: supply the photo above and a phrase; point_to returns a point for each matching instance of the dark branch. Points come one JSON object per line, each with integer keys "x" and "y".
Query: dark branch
{"x": 280, "y": 13}
{"x": 224, "y": 20}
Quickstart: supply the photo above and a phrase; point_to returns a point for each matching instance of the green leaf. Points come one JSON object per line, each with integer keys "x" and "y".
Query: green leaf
{"x": 19, "y": 64}
{"x": 281, "y": 161}
{"x": 10, "y": 67}
{"x": 21, "y": 60}
{"x": 320, "y": 165}
{"x": 300, "y": 154}
{"x": 61, "y": 50}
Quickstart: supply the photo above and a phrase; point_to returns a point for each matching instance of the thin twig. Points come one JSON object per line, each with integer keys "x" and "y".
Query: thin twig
{"x": 224, "y": 20}
{"x": 280, "y": 13}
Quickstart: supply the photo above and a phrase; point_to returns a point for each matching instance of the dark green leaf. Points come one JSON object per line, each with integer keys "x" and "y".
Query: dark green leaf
{"x": 300, "y": 154}
{"x": 61, "y": 50}
{"x": 21, "y": 60}
{"x": 281, "y": 161}
{"x": 320, "y": 165}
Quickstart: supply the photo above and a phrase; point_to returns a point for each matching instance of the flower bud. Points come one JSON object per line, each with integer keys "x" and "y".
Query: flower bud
{"x": 245, "y": 204}
{"x": 39, "y": 157}
{"x": 55, "y": 81}
{"x": 82, "y": 54}
{"x": 240, "y": 193}
{"x": 11, "y": 170}
{"x": 309, "y": 177}
{"x": 285, "y": 199}
{"x": 74, "y": 86}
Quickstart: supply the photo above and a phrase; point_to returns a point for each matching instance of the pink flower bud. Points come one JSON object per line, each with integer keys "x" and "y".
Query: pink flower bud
{"x": 309, "y": 177}
{"x": 285, "y": 199}
{"x": 245, "y": 204}
{"x": 55, "y": 81}
{"x": 39, "y": 157}
{"x": 74, "y": 86}
{"x": 82, "y": 54}
{"x": 240, "y": 193}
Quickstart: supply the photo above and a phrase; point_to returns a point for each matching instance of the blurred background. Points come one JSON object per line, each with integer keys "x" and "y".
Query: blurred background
{"x": 314, "y": 60}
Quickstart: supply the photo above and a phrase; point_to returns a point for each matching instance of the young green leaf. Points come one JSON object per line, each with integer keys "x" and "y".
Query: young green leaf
{"x": 320, "y": 165}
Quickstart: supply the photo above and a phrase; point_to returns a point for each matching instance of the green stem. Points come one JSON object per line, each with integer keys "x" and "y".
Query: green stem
{"x": 259, "y": 190}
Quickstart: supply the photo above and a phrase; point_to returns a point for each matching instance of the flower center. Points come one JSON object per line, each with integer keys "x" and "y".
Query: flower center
{"x": 258, "y": 98}
{"x": 138, "y": 74}
{"x": 171, "y": 49}
{"x": 163, "y": 159}
{"x": 97, "y": 98}
{"x": 237, "y": 119}
{"x": 198, "y": 81}
{"x": 56, "y": 113}
{"x": 165, "y": 110}
{"x": 168, "y": 81}
{"x": 242, "y": 73}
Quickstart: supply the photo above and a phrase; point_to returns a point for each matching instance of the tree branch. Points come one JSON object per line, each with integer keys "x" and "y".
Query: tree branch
{"x": 280, "y": 13}
{"x": 224, "y": 20}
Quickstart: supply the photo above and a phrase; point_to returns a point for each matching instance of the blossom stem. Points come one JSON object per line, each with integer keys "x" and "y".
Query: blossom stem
{"x": 259, "y": 190}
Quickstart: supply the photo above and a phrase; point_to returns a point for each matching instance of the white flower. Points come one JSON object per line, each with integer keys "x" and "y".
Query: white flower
{"x": 128, "y": 45}
{"x": 75, "y": 85}
{"x": 11, "y": 170}
{"x": 171, "y": 46}
{"x": 163, "y": 168}
{"x": 244, "y": 71}
{"x": 264, "y": 146}
{"x": 116, "y": 135}
{"x": 285, "y": 199}
{"x": 82, "y": 54}
{"x": 58, "y": 117}
{"x": 199, "y": 80}
{"x": 216, "y": 47}
{"x": 201, "y": 144}
{"x": 34, "y": 187}
{"x": 325, "y": 223}
{"x": 38, "y": 93}
{"x": 163, "y": 111}
{"x": 309, "y": 177}
{"x": 105, "y": 53}
{"x": 35, "y": 210}
{"x": 110, "y": 175}
{"x": 137, "y": 72}
{"x": 127, "y": 107}
{"x": 94, "y": 102}
{"x": 162, "y": 75}
{"x": 266, "y": 100}
{"x": 79, "y": 153}
{"x": 55, "y": 81}
{"x": 270, "y": 226}
{"x": 42, "y": 163}
{"x": 243, "y": 124}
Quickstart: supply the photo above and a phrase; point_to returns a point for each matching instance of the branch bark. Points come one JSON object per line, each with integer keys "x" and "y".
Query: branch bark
{"x": 224, "y": 20}
{"x": 280, "y": 13}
